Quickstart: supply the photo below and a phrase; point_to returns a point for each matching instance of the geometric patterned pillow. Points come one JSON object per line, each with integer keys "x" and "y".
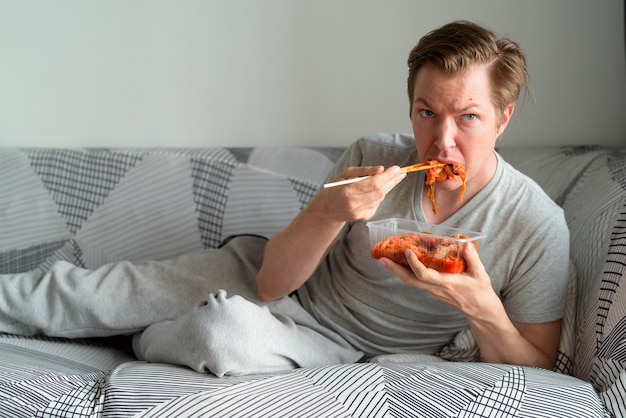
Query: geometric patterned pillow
{"x": 602, "y": 336}
{"x": 596, "y": 211}
{"x": 95, "y": 206}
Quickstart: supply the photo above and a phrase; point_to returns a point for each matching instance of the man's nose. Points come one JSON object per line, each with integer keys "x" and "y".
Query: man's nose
{"x": 446, "y": 134}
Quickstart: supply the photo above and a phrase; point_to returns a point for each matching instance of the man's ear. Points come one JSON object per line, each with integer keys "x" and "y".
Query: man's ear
{"x": 506, "y": 117}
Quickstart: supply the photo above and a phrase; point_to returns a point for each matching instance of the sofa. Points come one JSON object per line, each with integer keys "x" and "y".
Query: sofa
{"x": 96, "y": 206}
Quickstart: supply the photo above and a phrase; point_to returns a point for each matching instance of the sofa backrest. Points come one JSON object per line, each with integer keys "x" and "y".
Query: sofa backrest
{"x": 94, "y": 206}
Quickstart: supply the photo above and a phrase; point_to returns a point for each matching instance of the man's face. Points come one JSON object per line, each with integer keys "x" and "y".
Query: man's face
{"x": 454, "y": 120}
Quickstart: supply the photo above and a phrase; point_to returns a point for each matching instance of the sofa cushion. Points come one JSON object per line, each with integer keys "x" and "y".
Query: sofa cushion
{"x": 60, "y": 377}
{"x": 359, "y": 390}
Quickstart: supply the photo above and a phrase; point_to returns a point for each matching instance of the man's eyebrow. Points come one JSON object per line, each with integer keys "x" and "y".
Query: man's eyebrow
{"x": 421, "y": 100}
{"x": 473, "y": 105}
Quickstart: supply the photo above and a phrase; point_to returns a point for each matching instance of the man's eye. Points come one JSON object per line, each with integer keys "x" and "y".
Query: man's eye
{"x": 427, "y": 113}
{"x": 470, "y": 117}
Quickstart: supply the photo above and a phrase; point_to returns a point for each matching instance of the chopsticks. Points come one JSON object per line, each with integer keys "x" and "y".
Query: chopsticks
{"x": 408, "y": 169}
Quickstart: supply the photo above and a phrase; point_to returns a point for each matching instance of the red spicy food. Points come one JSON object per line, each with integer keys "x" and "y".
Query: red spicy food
{"x": 441, "y": 254}
{"x": 454, "y": 171}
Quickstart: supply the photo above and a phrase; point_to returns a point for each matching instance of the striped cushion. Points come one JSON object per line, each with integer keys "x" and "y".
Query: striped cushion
{"x": 41, "y": 383}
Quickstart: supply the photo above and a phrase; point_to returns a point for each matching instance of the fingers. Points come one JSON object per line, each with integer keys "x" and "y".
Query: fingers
{"x": 464, "y": 291}
{"x": 416, "y": 265}
{"x": 381, "y": 182}
{"x": 418, "y": 275}
{"x": 359, "y": 201}
{"x": 421, "y": 273}
{"x": 397, "y": 177}
{"x": 472, "y": 259}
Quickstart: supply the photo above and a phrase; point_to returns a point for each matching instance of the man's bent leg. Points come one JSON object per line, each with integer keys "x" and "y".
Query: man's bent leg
{"x": 232, "y": 336}
{"x": 123, "y": 298}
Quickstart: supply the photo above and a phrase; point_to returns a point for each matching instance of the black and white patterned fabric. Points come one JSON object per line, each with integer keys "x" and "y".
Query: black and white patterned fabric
{"x": 591, "y": 188}
{"x": 38, "y": 384}
{"x": 94, "y": 206}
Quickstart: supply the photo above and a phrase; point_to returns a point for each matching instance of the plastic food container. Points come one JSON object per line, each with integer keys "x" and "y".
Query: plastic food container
{"x": 438, "y": 247}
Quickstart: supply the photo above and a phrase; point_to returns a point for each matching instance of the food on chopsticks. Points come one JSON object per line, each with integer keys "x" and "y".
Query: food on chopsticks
{"x": 408, "y": 169}
{"x": 442, "y": 254}
{"x": 442, "y": 172}
{"x": 435, "y": 171}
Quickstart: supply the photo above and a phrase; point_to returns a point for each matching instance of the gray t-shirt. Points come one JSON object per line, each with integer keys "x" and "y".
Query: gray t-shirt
{"x": 526, "y": 254}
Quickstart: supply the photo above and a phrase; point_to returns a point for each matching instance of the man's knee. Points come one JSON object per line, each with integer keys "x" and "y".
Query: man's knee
{"x": 235, "y": 336}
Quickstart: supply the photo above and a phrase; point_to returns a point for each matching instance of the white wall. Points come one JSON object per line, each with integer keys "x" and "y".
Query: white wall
{"x": 284, "y": 72}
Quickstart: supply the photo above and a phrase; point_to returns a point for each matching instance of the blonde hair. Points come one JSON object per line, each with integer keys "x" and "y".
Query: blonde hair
{"x": 456, "y": 46}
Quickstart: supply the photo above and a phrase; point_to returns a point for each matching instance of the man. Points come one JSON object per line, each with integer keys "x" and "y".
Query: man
{"x": 463, "y": 84}
{"x": 319, "y": 297}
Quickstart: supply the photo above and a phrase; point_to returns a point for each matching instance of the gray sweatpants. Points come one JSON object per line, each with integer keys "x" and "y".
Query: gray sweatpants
{"x": 179, "y": 310}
